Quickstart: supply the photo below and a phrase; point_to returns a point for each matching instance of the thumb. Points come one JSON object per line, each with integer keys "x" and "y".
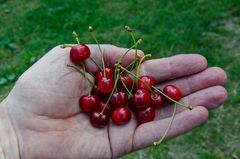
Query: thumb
{"x": 111, "y": 54}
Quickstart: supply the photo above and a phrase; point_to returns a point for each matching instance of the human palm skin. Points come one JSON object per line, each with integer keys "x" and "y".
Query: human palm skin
{"x": 44, "y": 111}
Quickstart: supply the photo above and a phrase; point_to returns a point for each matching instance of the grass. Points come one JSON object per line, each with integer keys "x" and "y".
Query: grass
{"x": 30, "y": 28}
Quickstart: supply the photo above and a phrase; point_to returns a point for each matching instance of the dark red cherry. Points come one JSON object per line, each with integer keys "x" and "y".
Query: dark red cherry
{"x": 157, "y": 100}
{"x": 78, "y": 53}
{"x": 119, "y": 99}
{"x": 107, "y": 110}
{"x": 95, "y": 91}
{"x": 89, "y": 103}
{"x": 132, "y": 106}
{"x": 99, "y": 120}
{"x": 141, "y": 98}
{"x": 109, "y": 73}
{"x": 145, "y": 115}
{"x": 173, "y": 92}
{"x": 146, "y": 82}
{"x": 121, "y": 116}
{"x": 127, "y": 80}
{"x": 106, "y": 85}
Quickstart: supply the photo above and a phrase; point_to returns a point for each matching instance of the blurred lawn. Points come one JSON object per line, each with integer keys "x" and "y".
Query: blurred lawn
{"x": 29, "y": 28}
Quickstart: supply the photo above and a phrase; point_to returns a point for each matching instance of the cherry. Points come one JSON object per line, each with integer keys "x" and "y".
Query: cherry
{"x": 118, "y": 99}
{"x": 100, "y": 107}
{"x": 141, "y": 98}
{"x": 132, "y": 105}
{"x": 99, "y": 120}
{"x": 157, "y": 100}
{"x": 78, "y": 53}
{"x": 127, "y": 80}
{"x": 109, "y": 73}
{"x": 173, "y": 92}
{"x": 145, "y": 115}
{"x": 95, "y": 91}
{"x": 146, "y": 82}
{"x": 89, "y": 103}
{"x": 121, "y": 116}
{"x": 105, "y": 85}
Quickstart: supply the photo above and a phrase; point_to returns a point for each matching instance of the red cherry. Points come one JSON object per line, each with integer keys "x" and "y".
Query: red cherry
{"x": 109, "y": 73}
{"x": 145, "y": 115}
{"x": 89, "y": 103}
{"x": 100, "y": 107}
{"x": 173, "y": 92}
{"x": 95, "y": 91}
{"x": 127, "y": 80}
{"x": 157, "y": 100}
{"x": 132, "y": 105}
{"x": 105, "y": 85}
{"x": 79, "y": 53}
{"x": 119, "y": 99}
{"x": 146, "y": 82}
{"x": 121, "y": 116}
{"x": 99, "y": 120}
{"x": 141, "y": 98}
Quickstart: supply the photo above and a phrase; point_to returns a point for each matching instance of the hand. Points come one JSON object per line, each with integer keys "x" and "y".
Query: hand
{"x": 48, "y": 122}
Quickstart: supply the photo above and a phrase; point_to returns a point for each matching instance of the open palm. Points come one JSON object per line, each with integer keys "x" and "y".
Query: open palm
{"x": 44, "y": 109}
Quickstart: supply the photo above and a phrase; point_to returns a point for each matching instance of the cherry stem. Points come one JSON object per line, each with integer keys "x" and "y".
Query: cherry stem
{"x": 85, "y": 76}
{"x": 129, "y": 92}
{"x": 80, "y": 71}
{"x": 75, "y": 35}
{"x": 99, "y": 67}
{"x": 181, "y": 104}
{"x": 99, "y": 47}
{"x": 141, "y": 60}
{"x": 157, "y": 143}
{"x": 65, "y": 45}
{"x": 123, "y": 55}
{"x": 113, "y": 90}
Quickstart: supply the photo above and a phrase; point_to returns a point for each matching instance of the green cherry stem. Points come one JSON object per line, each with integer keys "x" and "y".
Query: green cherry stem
{"x": 123, "y": 55}
{"x": 66, "y": 45}
{"x": 157, "y": 143}
{"x": 99, "y": 67}
{"x": 113, "y": 90}
{"x": 141, "y": 60}
{"x": 99, "y": 47}
{"x": 129, "y": 92}
{"x": 80, "y": 71}
{"x": 75, "y": 36}
{"x": 85, "y": 76}
{"x": 181, "y": 104}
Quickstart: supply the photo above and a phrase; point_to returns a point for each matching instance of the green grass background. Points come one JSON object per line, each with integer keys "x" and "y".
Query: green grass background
{"x": 29, "y": 28}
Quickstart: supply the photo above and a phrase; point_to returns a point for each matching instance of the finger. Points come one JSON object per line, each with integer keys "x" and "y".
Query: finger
{"x": 184, "y": 122}
{"x": 173, "y": 67}
{"x": 210, "y": 77}
{"x": 111, "y": 56}
{"x": 209, "y": 98}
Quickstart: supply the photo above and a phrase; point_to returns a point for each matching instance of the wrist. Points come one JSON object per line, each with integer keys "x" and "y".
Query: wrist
{"x": 8, "y": 139}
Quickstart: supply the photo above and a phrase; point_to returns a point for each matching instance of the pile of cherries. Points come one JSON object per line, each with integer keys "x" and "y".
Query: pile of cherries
{"x": 119, "y": 92}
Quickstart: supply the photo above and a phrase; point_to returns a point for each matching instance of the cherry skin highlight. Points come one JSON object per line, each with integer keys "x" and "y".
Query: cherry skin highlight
{"x": 145, "y": 115}
{"x": 146, "y": 82}
{"x": 105, "y": 85}
{"x": 121, "y": 116}
{"x": 127, "y": 80}
{"x": 109, "y": 73}
{"x": 118, "y": 99}
{"x": 157, "y": 100}
{"x": 99, "y": 120}
{"x": 173, "y": 92}
{"x": 89, "y": 103}
{"x": 141, "y": 98}
{"x": 79, "y": 53}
